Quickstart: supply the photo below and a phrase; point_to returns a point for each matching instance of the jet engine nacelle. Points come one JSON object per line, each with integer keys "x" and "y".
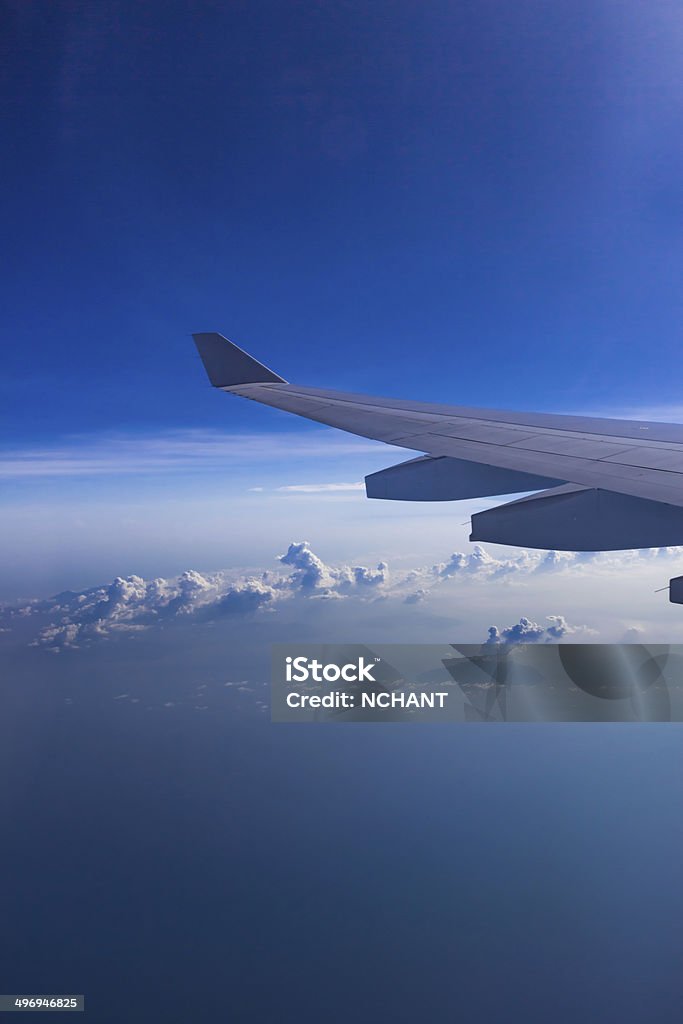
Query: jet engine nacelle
{"x": 572, "y": 518}
{"x": 447, "y": 479}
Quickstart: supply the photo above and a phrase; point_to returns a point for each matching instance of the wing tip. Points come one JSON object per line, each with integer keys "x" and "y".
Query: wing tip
{"x": 227, "y": 365}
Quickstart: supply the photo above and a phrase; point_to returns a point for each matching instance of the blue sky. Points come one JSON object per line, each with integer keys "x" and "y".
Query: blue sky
{"x": 471, "y": 202}
{"x": 454, "y": 202}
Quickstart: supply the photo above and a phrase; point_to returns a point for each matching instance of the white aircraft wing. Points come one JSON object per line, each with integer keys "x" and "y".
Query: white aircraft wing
{"x": 604, "y": 484}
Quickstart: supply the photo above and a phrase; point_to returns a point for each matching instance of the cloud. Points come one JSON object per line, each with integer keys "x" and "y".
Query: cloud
{"x": 320, "y": 488}
{"x": 362, "y": 577}
{"x": 480, "y": 564}
{"x": 126, "y": 606}
{"x": 526, "y": 631}
{"x": 132, "y": 604}
{"x": 312, "y": 574}
{"x": 177, "y": 451}
{"x": 554, "y": 560}
{"x": 248, "y": 597}
{"x": 477, "y": 562}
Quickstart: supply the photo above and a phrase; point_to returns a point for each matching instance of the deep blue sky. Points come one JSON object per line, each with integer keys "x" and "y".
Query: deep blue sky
{"x": 471, "y": 201}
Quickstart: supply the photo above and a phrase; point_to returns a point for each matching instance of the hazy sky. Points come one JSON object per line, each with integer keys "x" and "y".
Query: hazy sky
{"x": 173, "y": 854}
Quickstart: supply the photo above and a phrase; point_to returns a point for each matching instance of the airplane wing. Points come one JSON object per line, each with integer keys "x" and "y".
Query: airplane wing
{"x": 604, "y": 484}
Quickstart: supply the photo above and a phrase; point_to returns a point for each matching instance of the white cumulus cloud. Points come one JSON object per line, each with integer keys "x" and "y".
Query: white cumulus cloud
{"x": 128, "y": 605}
{"x": 526, "y": 631}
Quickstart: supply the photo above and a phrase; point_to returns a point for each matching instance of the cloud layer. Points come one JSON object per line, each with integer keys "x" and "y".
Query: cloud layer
{"x": 178, "y": 451}
{"x": 133, "y": 604}
{"x": 128, "y": 606}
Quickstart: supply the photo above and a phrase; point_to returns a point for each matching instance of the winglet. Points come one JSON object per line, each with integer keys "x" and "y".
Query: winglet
{"x": 228, "y": 365}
